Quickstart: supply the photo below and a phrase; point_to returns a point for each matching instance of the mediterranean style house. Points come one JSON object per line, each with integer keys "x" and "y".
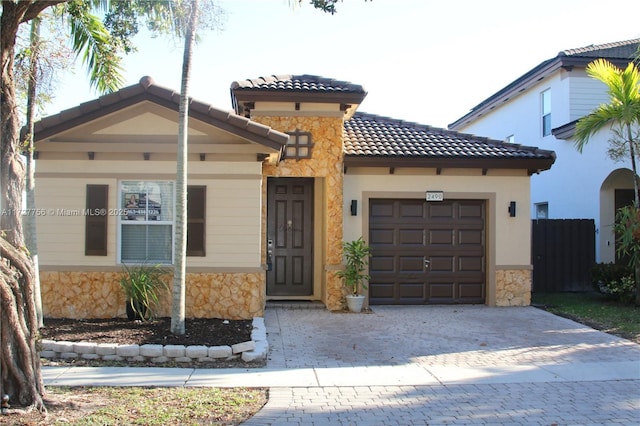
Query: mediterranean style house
{"x": 542, "y": 108}
{"x": 274, "y": 188}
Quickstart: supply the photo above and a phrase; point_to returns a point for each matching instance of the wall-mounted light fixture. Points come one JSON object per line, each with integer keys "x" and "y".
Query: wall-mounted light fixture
{"x": 354, "y": 207}
{"x": 512, "y": 209}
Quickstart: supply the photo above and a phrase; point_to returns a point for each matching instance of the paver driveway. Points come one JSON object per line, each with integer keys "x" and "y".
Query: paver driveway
{"x": 437, "y": 365}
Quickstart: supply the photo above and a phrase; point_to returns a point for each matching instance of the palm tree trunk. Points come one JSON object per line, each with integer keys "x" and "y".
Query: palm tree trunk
{"x": 179, "y": 276}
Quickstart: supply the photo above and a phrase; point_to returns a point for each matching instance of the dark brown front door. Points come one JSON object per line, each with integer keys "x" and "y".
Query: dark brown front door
{"x": 426, "y": 252}
{"x": 290, "y": 236}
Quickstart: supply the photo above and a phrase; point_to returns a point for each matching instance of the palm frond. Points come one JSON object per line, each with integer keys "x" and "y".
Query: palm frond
{"x": 624, "y": 100}
{"x": 91, "y": 40}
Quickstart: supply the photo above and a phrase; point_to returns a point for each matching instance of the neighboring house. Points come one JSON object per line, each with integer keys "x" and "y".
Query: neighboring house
{"x": 542, "y": 108}
{"x": 274, "y": 189}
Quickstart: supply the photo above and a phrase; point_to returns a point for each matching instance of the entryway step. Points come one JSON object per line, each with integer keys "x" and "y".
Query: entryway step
{"x": 294, "y": 304}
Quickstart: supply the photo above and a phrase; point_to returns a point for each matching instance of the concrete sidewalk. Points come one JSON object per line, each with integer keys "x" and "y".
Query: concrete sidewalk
{"x": 420, "y": 365}
{"x": 398, "y": 375}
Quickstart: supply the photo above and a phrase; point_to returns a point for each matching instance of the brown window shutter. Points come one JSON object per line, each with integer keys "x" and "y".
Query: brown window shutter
{"x": 95, "y": 237}
{"x": 196, "y": 219}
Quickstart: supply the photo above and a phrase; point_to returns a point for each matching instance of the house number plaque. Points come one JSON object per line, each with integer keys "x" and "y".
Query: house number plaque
{"x": 435, "y": 196}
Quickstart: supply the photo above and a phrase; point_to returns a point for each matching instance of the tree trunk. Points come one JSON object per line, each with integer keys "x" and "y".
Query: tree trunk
{"x": 20, "y": 375}
{"x": 179, "y": 275}
{"x": 29, "y": 219}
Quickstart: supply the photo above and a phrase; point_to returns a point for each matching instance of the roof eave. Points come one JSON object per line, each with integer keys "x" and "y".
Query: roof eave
{"x": 566, "y": 131}
{"x": 532, "y": 165}
{"x": 108, "y": 104}
{"x": 257, "y": 95}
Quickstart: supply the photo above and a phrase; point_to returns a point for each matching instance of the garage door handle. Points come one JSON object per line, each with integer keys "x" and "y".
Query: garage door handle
{"x": 426, "y": 263}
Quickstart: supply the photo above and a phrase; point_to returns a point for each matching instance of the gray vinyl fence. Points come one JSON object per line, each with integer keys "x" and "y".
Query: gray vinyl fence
{"x": 563, "y": 253}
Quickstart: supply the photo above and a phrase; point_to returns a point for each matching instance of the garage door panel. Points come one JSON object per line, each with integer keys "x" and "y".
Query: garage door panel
{"x": 470, "y": 211}
{"x": 380, "y": 264}
{"x": 450, "y": 234}
{"x": 412, "y": 210}
{"x": 411, "y": 264}
{"x": 471, "y": 264}
{"x": 440, "y": 210}
{"x": 382, "y": 209}
{"x": 441, "y": 290}
{"x": 382, "y": 291}
{"x": 471, "y": 236}
{"x": 410, "y": 236}
{"x": 471, "y": 291}
{"x": 441, "y": 263}
{"x": 381, "y": 236}
{"x": 441, "y": 236}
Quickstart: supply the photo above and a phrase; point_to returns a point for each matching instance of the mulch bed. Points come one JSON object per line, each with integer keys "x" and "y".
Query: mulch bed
{"x": 198, "y": 331}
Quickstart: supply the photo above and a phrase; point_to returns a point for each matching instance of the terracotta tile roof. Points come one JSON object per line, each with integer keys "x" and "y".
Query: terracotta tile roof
{"x": 147, "y": 90}
{"x": 295, "y": 88}
{"x": 383, "y": 139}
{"x": 616, "y": 50}
{"x": 298, "y": 83}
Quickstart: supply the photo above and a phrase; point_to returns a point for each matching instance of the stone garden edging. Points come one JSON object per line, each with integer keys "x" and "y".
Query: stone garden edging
{"x": 253, "y": 350}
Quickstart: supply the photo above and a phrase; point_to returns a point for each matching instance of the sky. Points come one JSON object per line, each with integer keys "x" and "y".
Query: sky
{"x": 426, "y": 61}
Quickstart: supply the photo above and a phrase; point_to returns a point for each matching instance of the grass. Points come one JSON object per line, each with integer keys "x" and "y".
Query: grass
{"x": 595, "y": 310}
{"x": 143, "y": 406}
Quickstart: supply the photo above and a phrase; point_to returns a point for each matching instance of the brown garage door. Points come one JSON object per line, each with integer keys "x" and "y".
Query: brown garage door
{"x": 426, "y": 252}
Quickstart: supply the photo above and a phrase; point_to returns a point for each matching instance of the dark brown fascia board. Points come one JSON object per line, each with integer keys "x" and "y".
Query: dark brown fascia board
{"x": 197, "y": 112}
{"x": 272, "y": 95}
{"x": 565, "y": 131}
{"x": 532, "y": 165}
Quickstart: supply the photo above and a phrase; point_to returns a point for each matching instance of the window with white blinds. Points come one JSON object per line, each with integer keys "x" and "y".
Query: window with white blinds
{"x": 147, "y": 221}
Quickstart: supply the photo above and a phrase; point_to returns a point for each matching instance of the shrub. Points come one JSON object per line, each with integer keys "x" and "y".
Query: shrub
{"x": 614, "y": 280}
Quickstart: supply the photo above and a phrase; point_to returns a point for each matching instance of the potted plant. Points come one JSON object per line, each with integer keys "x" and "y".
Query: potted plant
{"x": 356, "y": 258}
{"x": 142, "y": 285}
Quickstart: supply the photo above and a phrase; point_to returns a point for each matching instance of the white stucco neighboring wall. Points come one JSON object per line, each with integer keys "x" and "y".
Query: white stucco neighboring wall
{"x": 572, "y": 187}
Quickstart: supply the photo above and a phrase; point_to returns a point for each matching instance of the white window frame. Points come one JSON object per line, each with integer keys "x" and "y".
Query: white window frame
{"x": 122, "y": 221}
{"x": 545, "y": 109}
{"x": 542, "y": 206}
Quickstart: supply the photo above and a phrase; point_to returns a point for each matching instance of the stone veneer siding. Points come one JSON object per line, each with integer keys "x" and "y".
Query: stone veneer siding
{"x": 98, "y": 295}
{"x": 513, "y": 287}
{"x": 325, "y": 162}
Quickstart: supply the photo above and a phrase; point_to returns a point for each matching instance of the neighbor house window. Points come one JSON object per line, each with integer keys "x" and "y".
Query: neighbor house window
{"x": 542, "y": 210}
{"x": 545, "y": 99}
{"x": 299, "y": 145}
{"x": 146, "y": 222}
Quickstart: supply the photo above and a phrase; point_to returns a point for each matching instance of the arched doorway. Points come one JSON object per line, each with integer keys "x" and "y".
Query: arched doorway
{"x": 616, "y": 191}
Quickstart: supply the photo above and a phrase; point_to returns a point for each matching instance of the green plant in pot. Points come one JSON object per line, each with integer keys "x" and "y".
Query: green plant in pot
{"x": 356, "y": 259}
{"x": 142, "y": 285}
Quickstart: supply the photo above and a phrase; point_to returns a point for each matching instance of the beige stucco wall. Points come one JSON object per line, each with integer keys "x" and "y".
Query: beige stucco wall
{"x": 233, "y": 209}
{"x": 326, "y": 166}
{"x": 508, "y": 241}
